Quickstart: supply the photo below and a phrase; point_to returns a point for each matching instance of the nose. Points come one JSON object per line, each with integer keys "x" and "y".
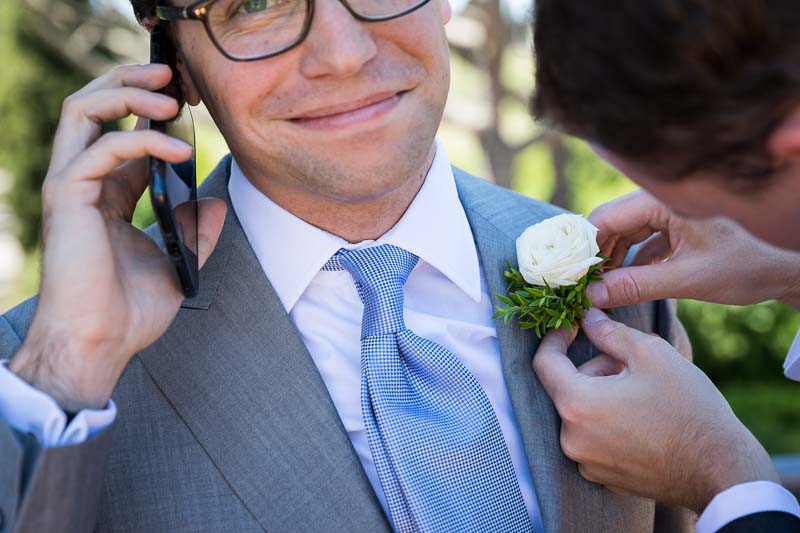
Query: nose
{"x": 337, "y": 45}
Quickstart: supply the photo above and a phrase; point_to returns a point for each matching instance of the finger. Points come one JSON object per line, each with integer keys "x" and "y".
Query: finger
{"x": 654, "y": 250}
{"x": 211, "y": 212}
{"x": 551, "y": 364}
{"x": 152, "y": 76}
{"x": 633, "y": 218}
{"x": 638, "y": 284}
{"x": 134, "y": 172}
{"x": 83, "y": 117}
{"x": 615, "y": 339}
{"x": 587, "y": 473}
{"x": 111, "y": 150}
{"x": 601, "y": 366}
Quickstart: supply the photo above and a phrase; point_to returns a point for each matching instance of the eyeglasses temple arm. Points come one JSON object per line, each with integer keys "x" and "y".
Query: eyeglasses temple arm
{"x": 173, "y": 13}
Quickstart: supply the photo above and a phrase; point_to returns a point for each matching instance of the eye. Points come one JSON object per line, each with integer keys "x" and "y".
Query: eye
{"x": 252, "y": 6}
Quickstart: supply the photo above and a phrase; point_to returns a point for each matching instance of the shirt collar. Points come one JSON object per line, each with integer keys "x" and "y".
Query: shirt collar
{"x": 292, "y": 252}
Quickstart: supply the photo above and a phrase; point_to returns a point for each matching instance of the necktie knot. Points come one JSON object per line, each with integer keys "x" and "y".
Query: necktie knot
{"x": 379, "y": 274}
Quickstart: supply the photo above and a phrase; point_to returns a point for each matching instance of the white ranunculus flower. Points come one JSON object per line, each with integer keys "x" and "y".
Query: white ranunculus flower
{"x": 560, "y": 250}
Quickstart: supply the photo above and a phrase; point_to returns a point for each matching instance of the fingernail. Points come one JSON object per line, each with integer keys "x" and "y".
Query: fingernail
{"x": 182, "y": 145}
{"x": 597, "y": 293}
{"x": 594, "y": 316}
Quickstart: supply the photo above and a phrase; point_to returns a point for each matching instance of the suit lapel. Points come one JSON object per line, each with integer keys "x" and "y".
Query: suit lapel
{"x": 567, "y": 502}
{"x": 235, "y": 369}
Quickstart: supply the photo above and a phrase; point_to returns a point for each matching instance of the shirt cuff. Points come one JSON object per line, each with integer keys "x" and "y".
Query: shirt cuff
{"x": 30, "y": 410}
{"x": 791, "y": 368}
{"x": 743, "y": 500}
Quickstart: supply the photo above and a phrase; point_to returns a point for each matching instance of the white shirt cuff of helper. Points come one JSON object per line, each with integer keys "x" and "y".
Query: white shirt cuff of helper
{"x": 30, "y": 410}
{"x": 791, "y": 368}
{"x": 743, "y": 500}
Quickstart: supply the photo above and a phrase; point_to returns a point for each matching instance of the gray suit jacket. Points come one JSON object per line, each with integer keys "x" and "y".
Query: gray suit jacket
{"x": 225, "y": 424}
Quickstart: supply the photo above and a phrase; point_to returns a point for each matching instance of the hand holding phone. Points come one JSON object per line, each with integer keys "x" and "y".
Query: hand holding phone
{"x": 107, "y": 291}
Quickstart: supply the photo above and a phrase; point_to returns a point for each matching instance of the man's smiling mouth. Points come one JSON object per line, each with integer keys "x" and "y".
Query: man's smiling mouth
{"x": 351, "y": 112}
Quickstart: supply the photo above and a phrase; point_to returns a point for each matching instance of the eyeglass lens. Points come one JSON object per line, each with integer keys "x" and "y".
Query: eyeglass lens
{"x": 254, "y": 28}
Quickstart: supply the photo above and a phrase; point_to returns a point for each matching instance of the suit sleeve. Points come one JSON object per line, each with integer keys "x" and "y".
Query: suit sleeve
{"x": 768, "y": 522}
{"x": 47, "y": 489}
{"x": 669, "y": 327}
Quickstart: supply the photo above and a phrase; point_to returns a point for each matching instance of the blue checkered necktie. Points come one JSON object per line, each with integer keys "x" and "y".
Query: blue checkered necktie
{"x": 437, "y": 446}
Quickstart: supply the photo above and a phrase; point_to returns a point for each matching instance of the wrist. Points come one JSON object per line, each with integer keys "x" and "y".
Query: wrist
{"x": 48, "y": 366}
{"x": 790, "y": 289}
{"x": 792, "y": 297}
{"x": 742, "y": 461}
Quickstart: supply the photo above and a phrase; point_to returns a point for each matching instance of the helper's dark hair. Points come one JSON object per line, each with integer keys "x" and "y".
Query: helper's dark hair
{"x": 678, "y": 86}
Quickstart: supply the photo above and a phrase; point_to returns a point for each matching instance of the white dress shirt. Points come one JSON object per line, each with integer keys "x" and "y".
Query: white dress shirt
{"x": 446, "y": 301}
{"x": 791, "y": 368}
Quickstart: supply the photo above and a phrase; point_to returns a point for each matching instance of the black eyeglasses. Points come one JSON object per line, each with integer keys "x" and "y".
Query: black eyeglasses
{"x": 249, "y": 30}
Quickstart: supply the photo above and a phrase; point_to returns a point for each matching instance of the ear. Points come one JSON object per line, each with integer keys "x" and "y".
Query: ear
{"x": 784, "y": 144}
{"x": 149, "y": 23}
{"x": 188, "y": 86}
{"x": 445, "y": 10}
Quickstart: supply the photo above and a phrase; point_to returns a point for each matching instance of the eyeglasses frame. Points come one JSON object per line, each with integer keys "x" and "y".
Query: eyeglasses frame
{"x": 199, "y": 11}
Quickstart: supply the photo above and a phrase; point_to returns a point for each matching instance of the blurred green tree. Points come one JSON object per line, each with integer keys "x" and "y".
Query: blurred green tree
{"x": 35, "y": 80}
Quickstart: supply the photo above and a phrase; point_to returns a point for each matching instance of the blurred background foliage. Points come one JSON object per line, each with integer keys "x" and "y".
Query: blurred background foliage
{"x": 53, "y": 47}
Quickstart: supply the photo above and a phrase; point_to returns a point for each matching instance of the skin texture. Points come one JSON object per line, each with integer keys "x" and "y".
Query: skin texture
{"x": 107, "y": 292}
{"x": 355, "y": 181}
{"x": 685, "y": 258}
{"x": 680, "y": 443}
{"x": 767, "y": 209}
{"x": 641, "y": 419}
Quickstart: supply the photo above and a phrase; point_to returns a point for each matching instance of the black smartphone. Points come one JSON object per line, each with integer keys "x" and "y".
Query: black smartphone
{"x": 173, "y": 187}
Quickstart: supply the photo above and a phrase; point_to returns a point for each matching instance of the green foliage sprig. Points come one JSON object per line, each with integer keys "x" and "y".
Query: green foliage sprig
{"x": 543, "y": 308}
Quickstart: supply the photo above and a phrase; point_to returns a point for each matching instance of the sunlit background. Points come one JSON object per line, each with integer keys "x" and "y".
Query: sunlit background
{"x": 50, "y": 48}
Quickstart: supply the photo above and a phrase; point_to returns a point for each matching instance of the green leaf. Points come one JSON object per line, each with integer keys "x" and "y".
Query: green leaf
{"x": 506, "y": 300}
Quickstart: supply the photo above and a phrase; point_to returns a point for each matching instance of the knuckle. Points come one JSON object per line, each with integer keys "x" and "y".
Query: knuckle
{"x": 70, "y": 105}
{"x": 119, "y": 72}
{"x": 608, "y": 329}
{"x": 587, "y": 474}
{"x": 48, "y": 191}
{"x": 571, "y": 447}
{"x": 570, "y": 409}
{"x": 629, "y": 287}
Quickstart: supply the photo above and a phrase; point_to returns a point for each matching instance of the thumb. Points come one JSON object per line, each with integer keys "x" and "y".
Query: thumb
{"x": 616, "y": 340}
{"x": 211, "y": 214}
{"x": 636, "y": 284}
{"x": 551, "y": 364}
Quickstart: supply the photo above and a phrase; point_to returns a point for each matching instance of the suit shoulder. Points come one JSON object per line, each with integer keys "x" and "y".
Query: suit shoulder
{"x": 502, "y": 207}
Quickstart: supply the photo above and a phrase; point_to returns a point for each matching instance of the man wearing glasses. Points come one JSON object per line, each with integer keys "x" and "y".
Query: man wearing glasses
{"x": 339, "y": 369}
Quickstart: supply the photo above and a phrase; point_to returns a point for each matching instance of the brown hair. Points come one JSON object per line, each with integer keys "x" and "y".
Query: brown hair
{"x": 681, "y": 86}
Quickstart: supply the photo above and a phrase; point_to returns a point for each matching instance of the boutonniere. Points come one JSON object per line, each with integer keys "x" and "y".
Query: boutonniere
{"x": 557, "y": 259}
